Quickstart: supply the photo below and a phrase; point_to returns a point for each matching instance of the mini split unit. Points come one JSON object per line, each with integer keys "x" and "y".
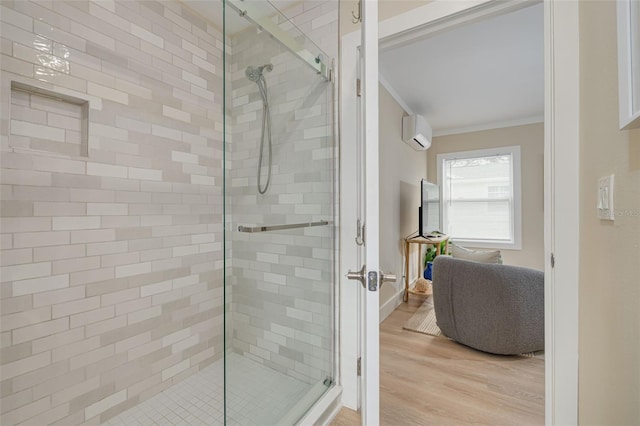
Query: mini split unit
{"x": 416, "y": 132}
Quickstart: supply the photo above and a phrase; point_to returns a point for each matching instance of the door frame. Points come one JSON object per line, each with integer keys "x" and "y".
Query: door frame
{"x": 561, "y": 175}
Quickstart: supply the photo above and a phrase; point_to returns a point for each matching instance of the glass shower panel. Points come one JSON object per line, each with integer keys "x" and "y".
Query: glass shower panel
{"x": 279, "y": 211}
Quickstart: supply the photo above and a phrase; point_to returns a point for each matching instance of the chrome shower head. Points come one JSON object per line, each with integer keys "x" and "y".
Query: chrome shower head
{"x": 254, "y": 73}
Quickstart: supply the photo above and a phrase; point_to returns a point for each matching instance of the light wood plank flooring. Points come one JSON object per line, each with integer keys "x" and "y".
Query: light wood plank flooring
{"x": 426, "y": 380}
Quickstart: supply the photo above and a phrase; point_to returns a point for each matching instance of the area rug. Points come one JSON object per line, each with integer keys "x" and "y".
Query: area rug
{"x": 424, "y": 321}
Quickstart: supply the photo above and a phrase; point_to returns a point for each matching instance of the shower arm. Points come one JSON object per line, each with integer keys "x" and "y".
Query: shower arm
{"x": 246, "y": 10}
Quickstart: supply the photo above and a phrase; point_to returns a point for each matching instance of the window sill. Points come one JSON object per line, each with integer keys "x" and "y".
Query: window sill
{"x": 487, "y": 244}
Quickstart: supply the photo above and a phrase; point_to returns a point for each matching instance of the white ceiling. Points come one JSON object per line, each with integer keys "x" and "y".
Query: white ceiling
{"x": 477, "y": 76}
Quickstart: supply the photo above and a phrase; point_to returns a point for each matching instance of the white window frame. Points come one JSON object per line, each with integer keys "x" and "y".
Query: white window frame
{"x": 514, "y": 151}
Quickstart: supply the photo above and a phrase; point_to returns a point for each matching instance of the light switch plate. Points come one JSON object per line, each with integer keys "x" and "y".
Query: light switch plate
{"x": 605, "y": 198}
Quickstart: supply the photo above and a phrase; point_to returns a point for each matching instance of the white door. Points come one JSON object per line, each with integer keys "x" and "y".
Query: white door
{"x": 369, "y": 274}
{"x": 370, "y": 382}
{"x": 561, "y": 203}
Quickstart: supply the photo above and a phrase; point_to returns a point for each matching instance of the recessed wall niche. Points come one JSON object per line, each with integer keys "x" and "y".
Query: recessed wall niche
{"x": 48, "y": 121}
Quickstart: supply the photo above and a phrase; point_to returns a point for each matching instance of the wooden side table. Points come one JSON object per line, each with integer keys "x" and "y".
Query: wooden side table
{"x": 436, "y": 242}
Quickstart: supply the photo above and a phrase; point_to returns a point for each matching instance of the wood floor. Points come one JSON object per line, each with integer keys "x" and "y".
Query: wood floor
{"x": 426, "y": 380}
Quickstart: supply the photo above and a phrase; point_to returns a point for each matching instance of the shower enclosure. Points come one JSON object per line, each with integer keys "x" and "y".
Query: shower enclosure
{"x": 279, "y": 194}
{"x": 168, "y": 211}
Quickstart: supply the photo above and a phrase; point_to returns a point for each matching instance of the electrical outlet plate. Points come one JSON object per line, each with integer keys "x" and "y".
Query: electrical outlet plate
{"x": 605, "y": 198}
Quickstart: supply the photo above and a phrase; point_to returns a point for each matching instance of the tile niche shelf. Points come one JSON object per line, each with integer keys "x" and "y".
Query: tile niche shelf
{"x": 47, "y": 121}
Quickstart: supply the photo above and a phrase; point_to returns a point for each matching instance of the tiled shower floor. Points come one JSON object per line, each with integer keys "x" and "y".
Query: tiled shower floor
{"x": 256, "y": 395}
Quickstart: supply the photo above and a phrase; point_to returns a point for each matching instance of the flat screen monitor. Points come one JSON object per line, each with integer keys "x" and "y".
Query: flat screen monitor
{"x": 429, "y": 211}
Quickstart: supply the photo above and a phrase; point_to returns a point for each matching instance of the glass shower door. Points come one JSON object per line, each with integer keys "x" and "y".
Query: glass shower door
{"x": 279, "y": 218}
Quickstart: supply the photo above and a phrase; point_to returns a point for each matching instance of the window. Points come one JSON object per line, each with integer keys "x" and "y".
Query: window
{"x": 481, "y": 197}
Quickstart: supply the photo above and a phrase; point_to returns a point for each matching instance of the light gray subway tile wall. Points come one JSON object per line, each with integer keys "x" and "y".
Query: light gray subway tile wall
{"x": 111, "y": 258}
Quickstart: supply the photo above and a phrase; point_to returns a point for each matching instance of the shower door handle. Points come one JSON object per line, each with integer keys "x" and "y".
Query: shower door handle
{"x": 359, "y": 275}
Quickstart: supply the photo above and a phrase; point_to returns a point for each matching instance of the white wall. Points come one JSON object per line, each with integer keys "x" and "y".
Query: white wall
{"x": 401, "y": 168}
{"x": 530, "y": 138}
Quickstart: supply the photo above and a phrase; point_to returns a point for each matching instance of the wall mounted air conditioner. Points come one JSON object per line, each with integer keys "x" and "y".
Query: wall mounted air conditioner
{"x": 416, "y": 132}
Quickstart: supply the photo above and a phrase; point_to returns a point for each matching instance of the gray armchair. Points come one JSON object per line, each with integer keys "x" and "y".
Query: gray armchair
{"x": 489, "y": 307}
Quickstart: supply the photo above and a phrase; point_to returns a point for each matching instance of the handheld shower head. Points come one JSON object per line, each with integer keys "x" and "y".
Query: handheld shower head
{"x": 254, "y": 73}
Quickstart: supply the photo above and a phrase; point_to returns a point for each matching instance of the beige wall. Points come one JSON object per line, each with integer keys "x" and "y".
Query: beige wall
{"x": 530, "y": 138}
{"x": 401, "y": 168}
{"x": 609, "y": 321}
{"x": 387, "y": 9}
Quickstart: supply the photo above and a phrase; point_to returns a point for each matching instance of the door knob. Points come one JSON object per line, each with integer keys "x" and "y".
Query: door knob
{"x": 387, "y": 278}
{"x": 360, "y": 276}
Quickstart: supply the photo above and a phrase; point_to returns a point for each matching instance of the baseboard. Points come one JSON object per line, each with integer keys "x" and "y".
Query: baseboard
{"x": 391, "y": 304}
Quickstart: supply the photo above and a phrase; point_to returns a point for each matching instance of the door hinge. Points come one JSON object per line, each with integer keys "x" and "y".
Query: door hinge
{"x": 358, "y": 88}
{"x": 360, "y": 366}
{"x": 553, "y": 260}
